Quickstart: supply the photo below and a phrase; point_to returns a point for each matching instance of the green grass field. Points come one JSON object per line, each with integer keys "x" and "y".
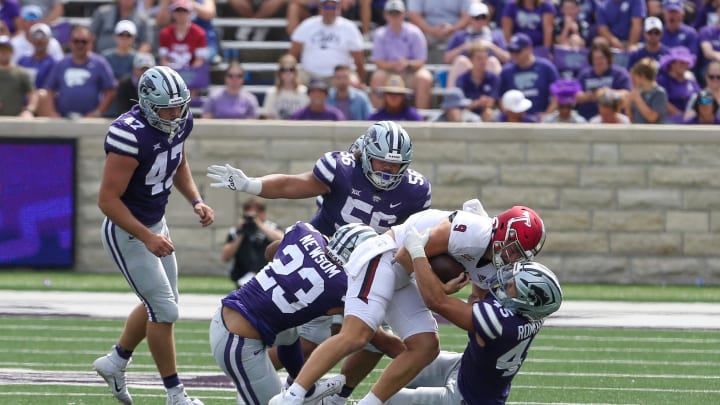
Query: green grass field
{"x": 47, "y": 361}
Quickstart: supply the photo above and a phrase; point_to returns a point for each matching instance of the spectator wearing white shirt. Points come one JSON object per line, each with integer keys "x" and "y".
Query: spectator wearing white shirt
{"x": 29, "y": 15}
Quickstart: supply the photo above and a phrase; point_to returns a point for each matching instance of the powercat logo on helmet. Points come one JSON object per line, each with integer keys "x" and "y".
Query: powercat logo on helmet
{"x": 393, "y": 157}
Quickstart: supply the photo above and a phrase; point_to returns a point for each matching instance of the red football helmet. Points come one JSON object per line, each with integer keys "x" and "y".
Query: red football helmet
{"x": 518, "y": 234}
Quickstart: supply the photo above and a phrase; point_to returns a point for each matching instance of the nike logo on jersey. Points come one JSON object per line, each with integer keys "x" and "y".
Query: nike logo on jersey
{"x": 256, "y": 352}
{"x": 394, "y": 205}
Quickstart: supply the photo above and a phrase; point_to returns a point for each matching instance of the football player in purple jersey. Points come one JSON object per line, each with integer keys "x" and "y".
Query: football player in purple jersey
{"x": 500, "y": 328}
{"x": 370, "y": 184}
{"x": 305, "y": 279}
{"x": 145, "y": 157}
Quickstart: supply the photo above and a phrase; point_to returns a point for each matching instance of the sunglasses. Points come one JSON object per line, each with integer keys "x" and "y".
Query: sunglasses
{"x": 713, "y": 77}
{"x": 329, "y": 5}
{"x": 234, "y": 75}
{"x": 480, "y": 17}
{"x": 80, "y": 41}
{"x": 287, "y": 69}
{"x": 124, "y": 35}
{"x": 654, "y": 32}
{"x": 705, "y": 101}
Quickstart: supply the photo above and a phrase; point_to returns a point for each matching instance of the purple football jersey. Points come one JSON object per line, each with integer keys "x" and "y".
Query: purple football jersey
{"x": 158, "y": 156}
{"x": 487, "y": 371}
{"x": 353, "y": 199}
{"x": 299, "y": 285}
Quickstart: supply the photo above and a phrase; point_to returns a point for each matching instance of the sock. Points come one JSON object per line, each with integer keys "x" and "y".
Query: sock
{"x": 346, "y": 391}
{"x": 123, "y": 353}
{"x": 370, "y": 399}
{"x": 291, "y": 357}
{"x": 297, "y": 390}
{"x": 171, "y": 381}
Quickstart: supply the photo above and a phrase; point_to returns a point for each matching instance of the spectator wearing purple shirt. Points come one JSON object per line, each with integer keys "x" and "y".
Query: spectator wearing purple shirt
{"x": 528, "y": 73}
{"x": 318, "y": 109}
{"x": 710, "y": 43}
{"x": 9, "y": 11}
{"x": 232, "y": 101}
{"x": 651, "y": 47}
{"x": 400, "y": 48}
{"x": 602, "y": 73}
{"x": 479, "y": 85}
{"x": 673, "y": 78}
{"x": 620, "y": 21}
{"x": 396, "y": 107}
{"x": 438, "y": 19}
{"x": 536, "y": 18}
{"x": 477, "y": 31}
{"x": 706, "y": 14}
{"x": 40, "y": 63}
{"x": 676, "y": 32}
{"x": 82, "y": 83}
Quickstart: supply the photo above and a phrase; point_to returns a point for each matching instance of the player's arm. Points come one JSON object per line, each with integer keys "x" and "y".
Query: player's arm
{"x": 291, "y": 186}
{"x": 185, "y": 184}
{"x": 431, "y": 288}
{"x": 437, "y": 244}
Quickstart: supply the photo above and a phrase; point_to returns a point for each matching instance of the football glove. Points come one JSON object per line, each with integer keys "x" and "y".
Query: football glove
{"x": 415, "y": 243}
{"x": 233, "y": 179}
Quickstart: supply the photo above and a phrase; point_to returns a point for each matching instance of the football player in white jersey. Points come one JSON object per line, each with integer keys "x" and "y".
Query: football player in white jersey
{"x": 379, "y": 288}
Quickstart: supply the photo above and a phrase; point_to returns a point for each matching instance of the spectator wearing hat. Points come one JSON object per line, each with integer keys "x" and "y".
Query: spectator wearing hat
{"x": 183, "y": 43}
{"x": 400, "y": 48}
{"x": 706, "y": 109}
{"x": 40, "y": 63}
{"x": 9, "y": 12}
{"x": 515, "y": 107}
{"x": 479, "y": 85}
{"x": 647, "y": 102}
{"x": 202, "y": 13}
{"x": 528, "y": 73}
{"x": 651, "y": 47}
{"x": 232, "y": 102}
{"x": 49, "y": 10}
{"x": 478, "y": 31}
{"x": 104, "y": 25}
{"x": 396, "y": 106}
{"x": 127, "y": 90}
{"x": 675, "y": 77}
{"x": 82, "y": 83}
{"x": 17, "y": 93}
{"x": 534, "y": 18}
{"x": 610, "y": 103}
{"x": 601, "y": 73}
{"x": 571, "y": 30}
{"x": 326, "y": 40}
{"x": 22, "y": 45}
{"x": 318, "y": 109}
{"x": 122, "y": 55}
{"x": 354, "y": 103}
{"x": 709, "y": 38}
{"x": 676, "y": 32}
{"x": 564, "y": 92}
{"x": 437, "y": 19}
{"x": 620, "y": 22}
{"x": 454, "y": 108}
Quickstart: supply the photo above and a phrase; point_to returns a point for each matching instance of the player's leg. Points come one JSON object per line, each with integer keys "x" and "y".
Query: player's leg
{"x": 436, "y": 384}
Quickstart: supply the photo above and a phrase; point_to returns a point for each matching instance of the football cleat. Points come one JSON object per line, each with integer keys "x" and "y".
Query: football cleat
{"x": 178, "y": 396}
{"x": 114, "y": 375}
{"x": 325, "y": 388}
{"x": 334, "y": 400}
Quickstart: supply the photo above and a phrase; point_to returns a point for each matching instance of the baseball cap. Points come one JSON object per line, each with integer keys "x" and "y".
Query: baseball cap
{"x": 143, "y": 60}
{"x": 31, "y": 12}
{"x": 181, "y": 4}
{"x": 653, "y": 23}
{"x": 5, "y": 41}
{"x": 676, "y": 5}
{"x": 125, "y": 26}
{"x": 515, "y": 101}
{"x": 40, "y": 31}
{"x": 317, "y": 84}
{"x": 477, "y": 9}
{"x": 395, "y": 5}
{"x": 519, "y": 41}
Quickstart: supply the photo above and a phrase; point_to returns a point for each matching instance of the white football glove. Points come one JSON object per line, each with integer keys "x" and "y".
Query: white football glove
{"x": 233, "y": 179}
{"x": 415, "y": 243}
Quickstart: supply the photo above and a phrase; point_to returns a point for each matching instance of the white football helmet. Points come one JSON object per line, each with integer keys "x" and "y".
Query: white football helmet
{"x": 162, "y": 87}
{"x": 527, "y": 288}
{"x": 345, "y": 240}
{"x": 386, "y": 141}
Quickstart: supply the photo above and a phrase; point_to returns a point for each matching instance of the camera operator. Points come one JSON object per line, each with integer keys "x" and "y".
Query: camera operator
{"x": 247, "y": 241}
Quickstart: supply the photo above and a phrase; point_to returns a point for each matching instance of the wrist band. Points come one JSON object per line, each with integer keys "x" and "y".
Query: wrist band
{"x": 196, "y": 201}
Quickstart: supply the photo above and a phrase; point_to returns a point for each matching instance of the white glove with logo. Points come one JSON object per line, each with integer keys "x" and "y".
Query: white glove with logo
{"x": 415, "y": 243}
{"x": 233, "y": 179}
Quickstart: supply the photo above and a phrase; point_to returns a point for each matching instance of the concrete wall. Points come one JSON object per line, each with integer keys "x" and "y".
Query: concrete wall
{"x": 622, "y": 204}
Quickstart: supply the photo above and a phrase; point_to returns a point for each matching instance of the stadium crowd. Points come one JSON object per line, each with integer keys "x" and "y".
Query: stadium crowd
{"x": 572, "y": 61}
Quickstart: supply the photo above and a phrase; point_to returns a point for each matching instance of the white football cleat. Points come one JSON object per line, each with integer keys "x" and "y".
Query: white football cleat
{"x": 178, "y": 396}
{"x": 325, "y": 388}
{"x": 285, "y": 398}
{"x": 113, "y": 373}
{"x": 334, "y": 400}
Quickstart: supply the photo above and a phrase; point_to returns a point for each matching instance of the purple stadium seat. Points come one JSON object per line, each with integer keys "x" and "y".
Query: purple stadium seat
{"x": 541, "y": 51}
{"x": 570, "y": 60}
{"x": 61, "y": 32}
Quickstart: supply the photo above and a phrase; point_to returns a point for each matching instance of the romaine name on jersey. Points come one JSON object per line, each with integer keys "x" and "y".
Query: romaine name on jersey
{"x": 317, "y": 253}
{"x": 529, "y": 329}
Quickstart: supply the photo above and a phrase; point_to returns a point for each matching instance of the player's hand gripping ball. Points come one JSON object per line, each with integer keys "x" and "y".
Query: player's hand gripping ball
{"x": 445, "y": 267}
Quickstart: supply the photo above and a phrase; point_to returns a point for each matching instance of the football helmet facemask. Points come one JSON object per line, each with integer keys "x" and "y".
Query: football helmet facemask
{"x": 518, "y": 234}
{"x": 345, "y": 240}
{"x": 162, "y": 87}
{"x": 527, "y": 288}
{"x": 389, "y": 142}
